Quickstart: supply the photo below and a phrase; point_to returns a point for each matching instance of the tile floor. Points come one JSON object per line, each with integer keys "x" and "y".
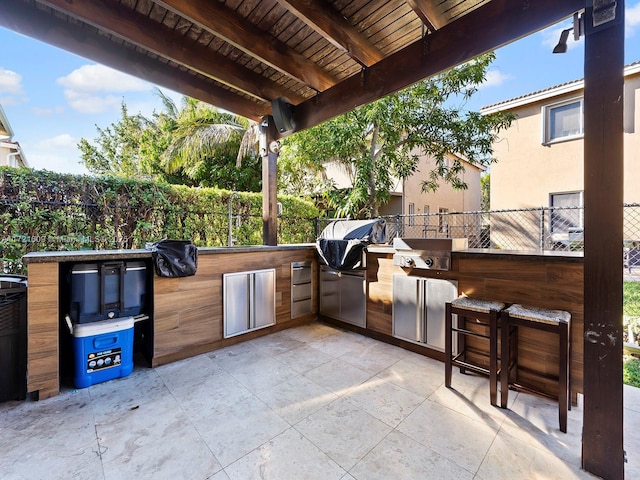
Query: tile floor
{"x": 313, "y": 402}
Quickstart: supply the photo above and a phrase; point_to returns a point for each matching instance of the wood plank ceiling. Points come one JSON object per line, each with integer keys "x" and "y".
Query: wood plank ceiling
{"x": 325, "y": 57}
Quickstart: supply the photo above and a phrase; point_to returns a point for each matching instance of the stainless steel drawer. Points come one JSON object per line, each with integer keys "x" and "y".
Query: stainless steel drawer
{"x": 300, "y": 274}
{"x": 301, "y": 307}
{"x": 300, "y": 292}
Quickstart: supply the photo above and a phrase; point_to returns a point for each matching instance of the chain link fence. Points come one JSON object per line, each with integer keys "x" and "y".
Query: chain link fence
{"x": 545, "y": 228}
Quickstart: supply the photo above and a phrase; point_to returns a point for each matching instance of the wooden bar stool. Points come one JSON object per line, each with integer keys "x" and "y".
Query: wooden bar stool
{"x": 472, "y": 312}
{"x": 555, "y": 321}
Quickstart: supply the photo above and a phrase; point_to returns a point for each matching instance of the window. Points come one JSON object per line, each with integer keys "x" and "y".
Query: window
{"x": 563, "y": 218}
{"x": 563, "y": 121}
{"x": 426, "y": 214}
{"x": 412, "y": 212}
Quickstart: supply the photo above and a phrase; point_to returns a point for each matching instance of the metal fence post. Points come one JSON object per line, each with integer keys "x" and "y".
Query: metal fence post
{"x": 541, "y": 243}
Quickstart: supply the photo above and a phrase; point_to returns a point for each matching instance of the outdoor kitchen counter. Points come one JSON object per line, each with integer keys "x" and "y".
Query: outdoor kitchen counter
{"x": 186, "y": 314}
{"x": 549, "y": 280}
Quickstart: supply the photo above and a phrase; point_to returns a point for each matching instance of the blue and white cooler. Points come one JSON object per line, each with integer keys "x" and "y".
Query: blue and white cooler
{"x": 103, "y": 350}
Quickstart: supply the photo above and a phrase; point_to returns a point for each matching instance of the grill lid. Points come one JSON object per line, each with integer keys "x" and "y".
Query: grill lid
{"x": 342, "y": 242}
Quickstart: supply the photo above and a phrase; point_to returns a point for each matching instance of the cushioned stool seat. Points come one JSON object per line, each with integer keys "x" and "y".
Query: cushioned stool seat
{"x": 483, "y": 316}
{"x": 555, "y": 321}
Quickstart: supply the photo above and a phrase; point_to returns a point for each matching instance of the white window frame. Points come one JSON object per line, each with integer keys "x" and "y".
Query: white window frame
{"x": 412, "y": 212}
{"x": 552, "y": 222}
{"x": 546, "y": 121}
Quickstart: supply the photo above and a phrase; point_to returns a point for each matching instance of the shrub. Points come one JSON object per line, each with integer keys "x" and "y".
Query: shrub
{"x": 42, "y": 210}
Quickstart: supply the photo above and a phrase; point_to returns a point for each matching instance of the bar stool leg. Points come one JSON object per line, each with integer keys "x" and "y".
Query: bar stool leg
{"x": 563, "y": 385}
{"x": 462, "y": 339}
{"x": 505, "y": 360}
{"x": 448, "y": 350}
{"x": 493, "y": 356}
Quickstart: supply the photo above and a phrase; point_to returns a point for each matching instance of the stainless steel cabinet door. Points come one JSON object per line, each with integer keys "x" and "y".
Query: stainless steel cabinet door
{"x": 408, "y": 314}
{"x": 237, "y": 309}
{"x": 264, "y": 298}
{"x": 330, "y": 293}
{"x": 438, "y": 292}
{"x": 353, "y": 301}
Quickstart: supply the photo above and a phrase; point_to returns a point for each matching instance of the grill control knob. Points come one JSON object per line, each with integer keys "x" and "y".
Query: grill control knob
{"x": 428, "y": 261}
{"x": 408, "y": 261}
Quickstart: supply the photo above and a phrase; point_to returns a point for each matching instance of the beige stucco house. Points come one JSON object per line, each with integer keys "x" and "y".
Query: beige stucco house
{"x": 407, "y": 197}
{"x": 540, "y": 157}
{"x": 10, "y": 152}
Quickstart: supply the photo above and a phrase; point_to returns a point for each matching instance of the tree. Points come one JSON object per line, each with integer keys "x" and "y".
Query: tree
{"x": 194, "y": 144}
{"x": 380, "y": 142}
{"x": 485, "y": 191}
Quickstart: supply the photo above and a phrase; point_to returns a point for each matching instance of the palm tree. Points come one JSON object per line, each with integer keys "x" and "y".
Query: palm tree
{"x": 199, "y": 131}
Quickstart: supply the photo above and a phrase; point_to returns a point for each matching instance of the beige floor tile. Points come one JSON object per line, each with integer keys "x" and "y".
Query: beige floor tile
{"x": 188, "y": 372}
{"x": 304, "y": 358}
{"x": 385, "y": 401}
{"x": 176, "y": 454}
{"x": 374, "y": 357}
{"x": 240, "y": 428}
{"x": 337, "y": 376}
{"x": 450, "y": 433}
{"x": 398, "y": 457}
{"x": 276, "y": 343}
{"x": 534, "y": 420}
{"x": 511, "y": 458}
{"x": 287, "y": 456}
{"x": 420, "y": 378}
{"x": 267, "y": 372}
{"x": 296, "y": 399}
{"x": 312, "y": 332}
{"x": 338, "y": 429}
{"x": 342, "y": 343}
{"x": 236, "y": 357}
{"x": 472, "y": 400}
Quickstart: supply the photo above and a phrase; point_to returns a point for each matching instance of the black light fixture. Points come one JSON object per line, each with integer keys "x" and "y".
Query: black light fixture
{"x": 578, "y": 31}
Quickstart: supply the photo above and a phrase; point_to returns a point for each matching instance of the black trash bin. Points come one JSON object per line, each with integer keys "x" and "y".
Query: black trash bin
{"x": 13, "y": 337}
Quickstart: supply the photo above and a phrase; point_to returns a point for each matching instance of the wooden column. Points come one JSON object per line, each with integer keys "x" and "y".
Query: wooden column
{"x": 602, "y": 442}
{"x": 269, "y": 150}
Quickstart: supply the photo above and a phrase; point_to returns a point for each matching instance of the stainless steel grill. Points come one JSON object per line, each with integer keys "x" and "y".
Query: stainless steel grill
{"x": 426, "y": 253}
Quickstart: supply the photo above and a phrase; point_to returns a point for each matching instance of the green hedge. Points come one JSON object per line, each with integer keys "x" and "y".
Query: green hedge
{"x": 46, "y": 211}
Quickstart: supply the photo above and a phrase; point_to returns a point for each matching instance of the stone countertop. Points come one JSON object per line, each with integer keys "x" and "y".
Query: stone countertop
{"x": 522, "y": 254}
{"x": 95, "y": 255}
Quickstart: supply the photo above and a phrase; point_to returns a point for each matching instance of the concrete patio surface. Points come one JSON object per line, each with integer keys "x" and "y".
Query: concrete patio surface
{"x": 312, "y": 402}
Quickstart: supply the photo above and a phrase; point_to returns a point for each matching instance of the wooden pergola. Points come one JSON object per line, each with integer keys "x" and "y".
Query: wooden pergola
{"x": 292, "y": 64}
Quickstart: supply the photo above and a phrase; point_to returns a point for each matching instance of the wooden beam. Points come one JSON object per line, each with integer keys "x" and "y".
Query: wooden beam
{"x": 455, "y": 43}
{"x": 335, "y": 28}
{"x": 33, "y": 22}
{"x": 244, "y": 35}
{"x": 269, "y": 150}
{"x": 145, "y": 33}
{"x": 602, "y": 437}
{"x": 427, "y": 12}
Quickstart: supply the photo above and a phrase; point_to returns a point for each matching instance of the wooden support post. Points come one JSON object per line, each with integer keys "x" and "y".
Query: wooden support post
{"x": 602, "y": 441}
{"x": 269, "y": 150}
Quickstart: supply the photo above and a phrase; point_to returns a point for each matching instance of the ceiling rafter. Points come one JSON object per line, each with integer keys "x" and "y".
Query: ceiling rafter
{"x": 446, "y": 47}
{"x": 427, "y": 13}
{"x": 33, "y": 22}
{"x": 242, "y": 34}
{"x": 143, "y": 32}
{"x": 335, "y": 28}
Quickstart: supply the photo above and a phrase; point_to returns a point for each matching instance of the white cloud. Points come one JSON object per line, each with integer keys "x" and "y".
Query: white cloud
{"x": 56, "y": 162}
{"x": 64, "y": 142}
{"x": 91, "y": 88}
{"x": 632, "y": 20}
{"x": 11, "y": 91}
{"x": 98, "y": 78}
{"x": 46, "y": 112}
{"x": 494, "y": 78}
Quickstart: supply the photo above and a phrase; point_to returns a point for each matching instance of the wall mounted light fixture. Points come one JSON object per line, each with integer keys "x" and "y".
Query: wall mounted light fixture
{"x": 578, "y": 31}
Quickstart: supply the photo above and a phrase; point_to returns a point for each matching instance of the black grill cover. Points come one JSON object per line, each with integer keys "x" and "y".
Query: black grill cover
{"x": 341, "y": 243}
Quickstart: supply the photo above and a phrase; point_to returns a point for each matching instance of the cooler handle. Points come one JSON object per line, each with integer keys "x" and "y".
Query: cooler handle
{"x": 103, "y": 342}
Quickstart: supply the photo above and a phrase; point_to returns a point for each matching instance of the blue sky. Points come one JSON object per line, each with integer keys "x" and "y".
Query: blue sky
{"x": 53, "y": 98}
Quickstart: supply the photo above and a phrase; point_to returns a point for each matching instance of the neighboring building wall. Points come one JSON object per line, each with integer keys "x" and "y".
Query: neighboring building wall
{"x": 525, "y": 161}
{"x": 531, "y": 171}
{"x": 445, "y": 197}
